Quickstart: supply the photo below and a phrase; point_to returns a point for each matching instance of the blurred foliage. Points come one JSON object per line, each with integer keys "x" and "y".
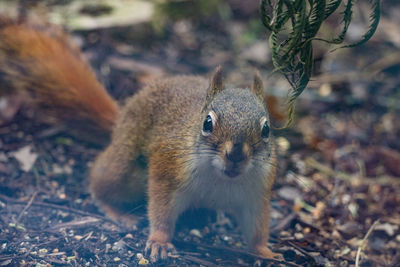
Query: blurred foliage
{"x": 252, "y": 32}
{"x": 173, "y": 10}
{"x": 294, "y": 24}
{"x": 96, "y": 10}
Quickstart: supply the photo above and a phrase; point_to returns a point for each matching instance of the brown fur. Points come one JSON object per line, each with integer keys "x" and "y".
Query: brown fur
{"x": 162, "y": 124}
{"x": 60, "y": 84}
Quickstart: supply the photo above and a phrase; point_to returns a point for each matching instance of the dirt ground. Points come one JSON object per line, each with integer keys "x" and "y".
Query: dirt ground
{"x": 337, "y": 196}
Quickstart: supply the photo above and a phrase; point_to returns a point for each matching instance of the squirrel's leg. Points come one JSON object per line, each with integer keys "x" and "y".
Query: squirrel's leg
{"x": 118, "y": 182}
{"x": 254, "y": 223}
{"x": 162, "y": 224}
{"x": 163, "y": 207}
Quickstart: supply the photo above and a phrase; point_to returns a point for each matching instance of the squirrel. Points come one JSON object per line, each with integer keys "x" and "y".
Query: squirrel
{"x": 183, "y": 141}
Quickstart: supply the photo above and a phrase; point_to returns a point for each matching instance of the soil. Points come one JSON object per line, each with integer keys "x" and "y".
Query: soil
{"x": 339, "y": 171}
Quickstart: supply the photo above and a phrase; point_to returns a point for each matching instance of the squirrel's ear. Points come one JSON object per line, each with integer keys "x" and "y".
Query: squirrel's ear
{"x": 216, "y": 84}
{"x": 257, "y": 87}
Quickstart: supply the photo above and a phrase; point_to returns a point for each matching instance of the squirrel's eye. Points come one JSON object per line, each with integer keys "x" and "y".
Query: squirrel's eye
{"x": 265, "y": 130}
{"x": 207, "y": 125}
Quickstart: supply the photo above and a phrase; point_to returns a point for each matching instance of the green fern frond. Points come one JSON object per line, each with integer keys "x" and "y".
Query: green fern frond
{"x": 265, "y": 18}
{"x": 331, "y": 7}
{"x": 318, "y": 9}
{"x": 294, "y": 25}
{"x": 347, "y": 16}
{"x": 374, "y": 21}
{"x": 299, "y": 24}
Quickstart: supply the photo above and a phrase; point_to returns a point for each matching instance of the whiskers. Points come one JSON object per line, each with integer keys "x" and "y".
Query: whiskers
{"x": 134, "y": 209}
{"x": 190, "y": 151}
{"x": 264, "y": 157}
{"x": 197, "y": 156}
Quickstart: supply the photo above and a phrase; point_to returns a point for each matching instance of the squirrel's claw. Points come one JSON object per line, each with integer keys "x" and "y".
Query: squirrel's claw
{"x": 265, "y": 252}
{"x": 159, "y": 250}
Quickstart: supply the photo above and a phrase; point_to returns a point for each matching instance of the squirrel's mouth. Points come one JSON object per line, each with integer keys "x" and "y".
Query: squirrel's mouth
{"x": 232, "y": 172}
{"x": 230, "y": 169}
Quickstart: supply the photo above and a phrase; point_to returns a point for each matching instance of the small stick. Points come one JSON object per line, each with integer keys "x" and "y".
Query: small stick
{"x": 58, "y": 207}
{"x": 383, "y": 179}
{"x": 26, "y": 207}
{"x": 198, "y": 260}
{"x": 232, "y": 251}
{"x": 76, "y": 223}
{"x": 363, "y": 242}
{"x": 326, "y": 170}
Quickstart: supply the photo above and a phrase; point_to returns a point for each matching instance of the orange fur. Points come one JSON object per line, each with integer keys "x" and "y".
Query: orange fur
{"x": 40, "y": 63}
{"x": 163, "y": 123}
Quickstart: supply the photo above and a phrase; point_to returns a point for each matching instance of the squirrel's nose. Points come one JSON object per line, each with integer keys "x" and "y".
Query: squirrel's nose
{"x": 236, "y": 155}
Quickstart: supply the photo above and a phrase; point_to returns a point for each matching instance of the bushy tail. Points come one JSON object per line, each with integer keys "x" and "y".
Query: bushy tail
{"x": 39, "y": 63}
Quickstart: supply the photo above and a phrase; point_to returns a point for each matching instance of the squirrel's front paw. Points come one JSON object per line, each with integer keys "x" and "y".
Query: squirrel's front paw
{"x": 159, "y": 250}
{"x": 265, "y": 252}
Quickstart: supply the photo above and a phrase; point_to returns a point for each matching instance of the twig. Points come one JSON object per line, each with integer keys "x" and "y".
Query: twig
{"x": 283, "y": 224}
{"x": 325, "y": 169}
{"x": 53, "y": 206}
{"x": 77, "y": 223}
{"x": 231, "y": 251}
{"x": 299, "y": 249}
{"x": 198, "y": 261}
{"x": 364, "y": 242}
{"x": 26, "y": 207}
{"x": 383, "y": 180}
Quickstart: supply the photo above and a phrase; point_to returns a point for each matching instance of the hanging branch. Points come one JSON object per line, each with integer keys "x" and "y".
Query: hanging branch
{"x": 293, "y": 25}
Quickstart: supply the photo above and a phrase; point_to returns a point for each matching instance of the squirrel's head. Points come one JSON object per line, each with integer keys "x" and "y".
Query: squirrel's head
{"x": 235, "y": 131}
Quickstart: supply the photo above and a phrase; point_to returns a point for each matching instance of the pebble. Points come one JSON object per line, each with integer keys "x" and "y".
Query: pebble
{"x": 129, "y": 236}
{"x": 78, "y": 237}
{"x": 227, "y": 238}
{"x": 143, "y": 261}
{"x": 196, "y": 232}
{"x": 43, "y": 251}
{"x": 298, "y": 236}
{"x": 289, "y": 193}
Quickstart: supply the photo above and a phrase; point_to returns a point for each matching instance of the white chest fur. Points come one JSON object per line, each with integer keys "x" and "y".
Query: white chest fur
{"x": 208, "y": 187}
